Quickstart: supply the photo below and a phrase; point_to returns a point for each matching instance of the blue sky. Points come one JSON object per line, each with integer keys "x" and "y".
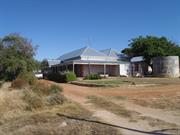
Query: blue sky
{"x": 59, "y": 26}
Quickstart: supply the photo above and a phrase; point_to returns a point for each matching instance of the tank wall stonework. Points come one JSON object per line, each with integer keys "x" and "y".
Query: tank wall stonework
{"x": 167, "y": 66}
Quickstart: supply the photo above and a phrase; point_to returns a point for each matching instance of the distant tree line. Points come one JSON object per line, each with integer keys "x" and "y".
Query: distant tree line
{"x": 16, "y": 56}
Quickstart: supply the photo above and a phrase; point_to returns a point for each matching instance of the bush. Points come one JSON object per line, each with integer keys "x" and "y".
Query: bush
{"x": 62, "y": 77}
{"x": 53, "y": 76}
{"x": 68, "y": 77}
{"x": 42, "y": 89}
{"x": 56, "y": 99}
{"x": 34, "y": 101}
{"x": 23, "y": 80}
{"x": 19, "y": 83}
{"x": 92, "y": 77}
{"x": 1, "y": 83}
{"x": 29, "y": 77}
{"x": 55, "y": 89}
{"x": 41, "y": 95}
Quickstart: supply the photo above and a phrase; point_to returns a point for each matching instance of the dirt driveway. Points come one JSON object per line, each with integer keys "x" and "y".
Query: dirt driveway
{"x": 149, "y": 119}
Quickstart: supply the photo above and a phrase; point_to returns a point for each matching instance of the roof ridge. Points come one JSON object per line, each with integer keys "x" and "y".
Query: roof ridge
{"x": 85, "y": 48}
{"x": 110, "y": 51}
{"x": 93, "y": 50}
{"x": 80, "y": 51}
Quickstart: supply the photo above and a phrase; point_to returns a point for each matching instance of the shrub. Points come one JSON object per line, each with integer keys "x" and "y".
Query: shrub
{"x": 34, "y": 101}
{"x": 69, "y": 76}
{"x": 29, "y": 77}
{"x": 23, "y": 80}
{"x": 92, "y": 77}
{"x": 53, "y": 76}
{"x": 1, "y": 83}
{"x": 41, "y": 89}
{"x": 62, "y": 77}
{"x": 19, "y": 83}
{"x": 55, "y": 89}
{"x": 41, "y": 95}
{"x": 56, "y": 99}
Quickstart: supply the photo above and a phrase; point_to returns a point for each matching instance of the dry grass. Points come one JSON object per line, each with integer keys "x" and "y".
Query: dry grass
{"x": 150, "y": 80}
{"x": 110, "y": 106}
{"x": 49, "y": 124}
{"x": 156, "y": 122}
{"x": 169, "y": 103}
{"x": 11, "y": 104}
{"x": 33, "y": 112}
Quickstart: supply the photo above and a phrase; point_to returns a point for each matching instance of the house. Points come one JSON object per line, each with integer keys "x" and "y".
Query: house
{"x": 87, "y": 60}
{"x": 137, "y": 66}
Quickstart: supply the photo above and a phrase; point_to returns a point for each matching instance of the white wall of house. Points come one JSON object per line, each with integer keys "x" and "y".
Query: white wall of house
{"x": 124, "y": 69}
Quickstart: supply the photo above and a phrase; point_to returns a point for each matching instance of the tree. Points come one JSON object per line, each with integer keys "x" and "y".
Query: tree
{"x": 44, "y": 65}
{"x": 151, "y": 46}
{"x": 16, "y": 56}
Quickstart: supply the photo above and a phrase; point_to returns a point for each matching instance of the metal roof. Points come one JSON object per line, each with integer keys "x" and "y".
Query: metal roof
{"x": 137, "y": 59}
{"x": 93, "y": 62}
{"x": 102, "y": 62}
{"x": 85, "y": 51}
{"x": 113, "y": 53}
{"x": 110, "y": 52}
{"x": 53, "y": 62}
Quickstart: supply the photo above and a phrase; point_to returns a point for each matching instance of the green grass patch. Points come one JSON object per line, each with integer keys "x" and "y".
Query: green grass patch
{"x": 104, "y": 82}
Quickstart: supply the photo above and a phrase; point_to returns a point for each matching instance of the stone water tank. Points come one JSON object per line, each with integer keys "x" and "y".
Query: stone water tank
{"x": 166, "y": 66}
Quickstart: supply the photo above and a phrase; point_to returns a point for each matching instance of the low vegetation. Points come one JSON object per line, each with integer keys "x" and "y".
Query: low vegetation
{"x": 62, "y": 77}
{"x": 150, "y": 80}
{"x": 92, "y": 77}
{"x": 160, "y": 123}
{"x": 32, "y": 110}
{"x": 23, "y": 80}
{"x": 110, "y": 106}
{"x": 160, "y": 103}
{"x": 1, "y": 83}
{"x": 104, "y": 82}
{"x": 116, "y": 82}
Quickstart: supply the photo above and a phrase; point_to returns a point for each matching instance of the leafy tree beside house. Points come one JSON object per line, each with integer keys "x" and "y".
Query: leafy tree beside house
{"x": 151, "y": 46}
{"x": 44, "y": 65}
{"x": 16, "y": 56}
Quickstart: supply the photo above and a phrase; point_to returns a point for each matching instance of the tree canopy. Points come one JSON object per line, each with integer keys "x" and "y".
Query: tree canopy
{"x": 44, "y": 64}
{"x": 151, "y": 46}
{"x": 16, "y": 56}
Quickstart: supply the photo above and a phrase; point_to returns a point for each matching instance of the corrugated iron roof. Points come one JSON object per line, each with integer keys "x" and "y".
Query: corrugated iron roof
{"x": 85, "y": 51}
{"x": 110, "y": 52}
{"x": 52, "y": 62}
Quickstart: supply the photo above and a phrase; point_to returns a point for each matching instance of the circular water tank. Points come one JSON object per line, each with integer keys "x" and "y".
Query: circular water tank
{"x": 166, "y": 66}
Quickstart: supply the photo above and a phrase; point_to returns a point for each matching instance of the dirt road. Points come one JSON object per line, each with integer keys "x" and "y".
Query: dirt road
{"x": 80, "y": 94}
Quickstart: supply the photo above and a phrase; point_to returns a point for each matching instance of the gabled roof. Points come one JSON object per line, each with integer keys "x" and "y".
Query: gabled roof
{"x": 110, "y": 52}
{"x": 85, "y": 51}
{"x": 113, "y": 53}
